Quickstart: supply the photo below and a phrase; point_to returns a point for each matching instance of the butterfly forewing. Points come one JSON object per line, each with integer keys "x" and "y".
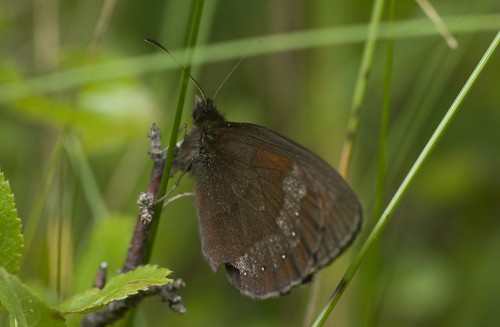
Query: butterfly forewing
{"x": 269, "y": 209}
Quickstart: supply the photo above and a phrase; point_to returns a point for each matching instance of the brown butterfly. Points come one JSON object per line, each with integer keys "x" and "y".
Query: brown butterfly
{"x": 269, "y": 209}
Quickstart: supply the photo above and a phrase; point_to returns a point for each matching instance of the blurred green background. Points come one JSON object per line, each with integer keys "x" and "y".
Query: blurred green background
{"x": 79, "y": 90}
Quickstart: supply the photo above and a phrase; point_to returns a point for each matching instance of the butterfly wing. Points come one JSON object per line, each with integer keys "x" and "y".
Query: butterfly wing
{"x": 269, "y": 209}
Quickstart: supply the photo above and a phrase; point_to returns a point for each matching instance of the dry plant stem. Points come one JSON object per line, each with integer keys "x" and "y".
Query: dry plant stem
{"x": 101, "y": 277}
{"x": 136, "y": 254}
{"x": 438, "y": 22}
{"x": 138, "y": 243}
{"x": 102, "y": 24}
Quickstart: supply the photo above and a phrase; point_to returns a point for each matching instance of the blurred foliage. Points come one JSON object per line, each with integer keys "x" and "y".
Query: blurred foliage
{"x": 78, "y": 74}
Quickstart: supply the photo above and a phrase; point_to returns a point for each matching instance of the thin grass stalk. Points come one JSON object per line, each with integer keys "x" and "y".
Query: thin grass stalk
{"x": 398, "y": 196}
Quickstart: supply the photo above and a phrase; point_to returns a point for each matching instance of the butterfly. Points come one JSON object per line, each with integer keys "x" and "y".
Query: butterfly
{"x": 269, "y": 210}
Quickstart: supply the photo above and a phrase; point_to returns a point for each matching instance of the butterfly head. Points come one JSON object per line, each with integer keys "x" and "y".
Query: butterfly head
{"x": 205, "y": 112}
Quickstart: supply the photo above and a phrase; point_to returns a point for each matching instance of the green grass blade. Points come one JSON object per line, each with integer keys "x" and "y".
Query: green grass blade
{"x": 191, "y": 39}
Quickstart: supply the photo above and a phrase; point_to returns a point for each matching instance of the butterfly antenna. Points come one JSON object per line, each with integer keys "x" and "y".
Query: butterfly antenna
{"x": 159, "y": 45}
{"x": 234, "y": 68}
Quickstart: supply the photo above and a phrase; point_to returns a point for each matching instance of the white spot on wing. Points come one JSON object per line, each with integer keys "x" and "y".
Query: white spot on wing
{"x": 295, "y": 191}
{"x": 258, "y": 255}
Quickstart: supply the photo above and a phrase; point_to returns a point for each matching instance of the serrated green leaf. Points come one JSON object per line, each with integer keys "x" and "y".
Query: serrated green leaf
{"x": 11, "y": 240}
{"x": 24, "y": 308}
{"x": 117, "y": 288}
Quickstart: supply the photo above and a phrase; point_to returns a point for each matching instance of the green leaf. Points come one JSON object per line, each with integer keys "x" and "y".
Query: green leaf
{"x": 11, "y": 239}
{"x": 24, "y": 308}
{"x": 117, "y": 288}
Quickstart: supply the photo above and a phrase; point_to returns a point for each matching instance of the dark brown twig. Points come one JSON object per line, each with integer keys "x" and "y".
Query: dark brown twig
{"x": 102, "y": 275}
{"x": 138, "y": 243}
